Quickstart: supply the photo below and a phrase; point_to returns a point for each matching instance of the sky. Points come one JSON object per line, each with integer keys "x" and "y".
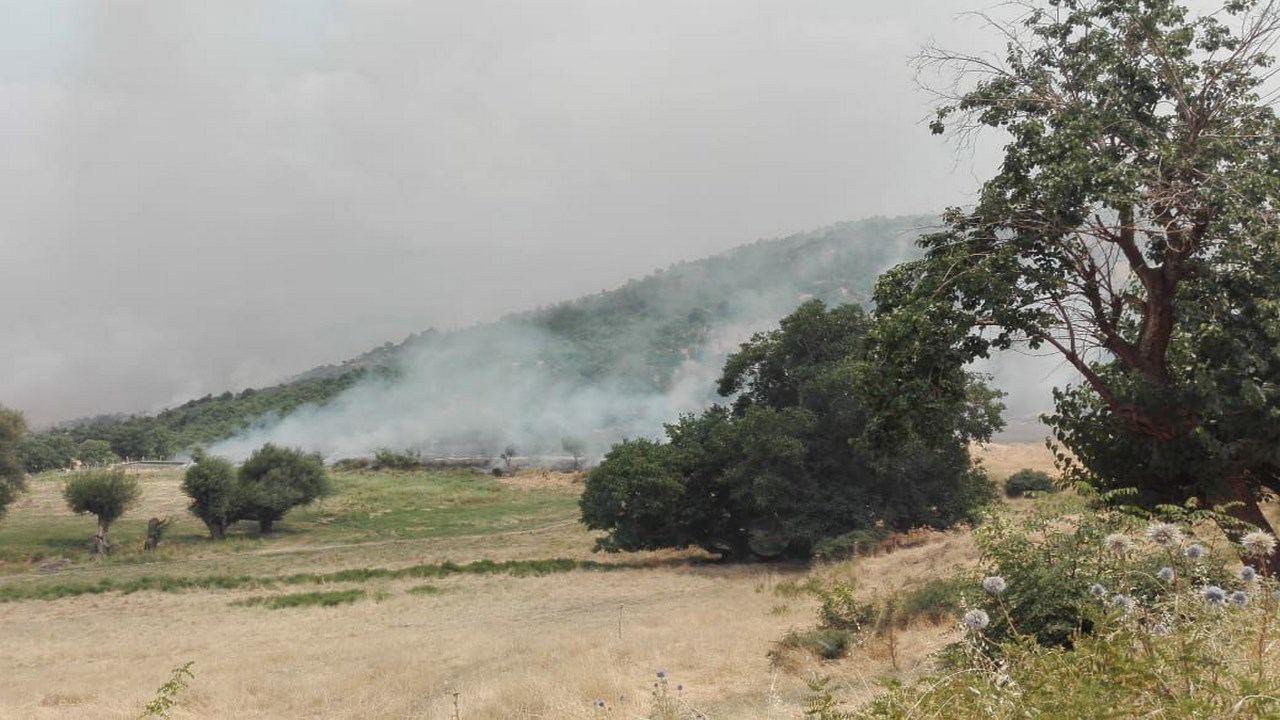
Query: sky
{"x": 205, "y": 196}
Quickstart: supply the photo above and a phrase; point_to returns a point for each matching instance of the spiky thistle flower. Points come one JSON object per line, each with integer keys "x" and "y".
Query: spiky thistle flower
{"x": 1123, "y": 602}
{"x": 994, "y": 584}
{"x": 1194, "y": 552}
{"x": 1258, "y": 544}
{"x": 975, "y": 620}
{"x": 1097, "y": 590}
{"x": 1160, "y": 630}
{"x": 1118, "y": 543}
{"x": 1164, "y": 534}
{"x": 1239, "y": 598}
{"x": 1166, "y": 574}
{"x": 1214, "y": 595}
{"x": 1247, "y": 573}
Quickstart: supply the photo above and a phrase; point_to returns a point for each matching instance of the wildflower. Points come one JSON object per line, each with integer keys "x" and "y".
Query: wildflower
{"x": 1214, "y": 595}
{"x": 1247, "y": 573}
{"x": 1239, "y": 598}
{"x": 1164, "y": 534}
{"x": 1160, "y": 630}
{"x": 1097, "y": 590}
{"x": 975, "y": 620}
{"x": 1258, "y": 543}
{"x": 1194, "y": 552}
{"x": 1118, "y": 543}
{"x": 994, "y": 584}
{"x": 1165, "y": 574}
{"x": 1124, "y": 602}
{"x": 662, "y": 674}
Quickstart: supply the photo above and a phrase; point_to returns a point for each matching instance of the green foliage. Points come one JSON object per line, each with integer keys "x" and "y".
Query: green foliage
{"x": 96, "y": 452}
{"x": 1050, "y": 564}
{"x": 1027, "y": 480}
{"x": 825, "y": 643}
{"x": 106, "y": 494}
{"x": 167, "y": 694}
{"x": 213, "y": 487}
{"x": 14, "y": 592}
{"x": 12, "y": 480}
{"x": 275, "y": 480}
{"x": 808, "y": 451}
{"x": 1172, "y": 653}
{"x": 850, "y": 544}
{"x": 1131, "y": 228}
{"x": 316, "y": 598}
{"x": 46, "y": 451}
{"x": 386, "y": 459}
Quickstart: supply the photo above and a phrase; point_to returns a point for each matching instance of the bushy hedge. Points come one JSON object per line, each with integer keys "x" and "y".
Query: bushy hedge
{"x": 1027, "y": 480}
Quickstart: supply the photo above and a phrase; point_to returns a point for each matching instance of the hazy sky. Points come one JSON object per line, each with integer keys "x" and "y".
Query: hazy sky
{"x": 197, "y": 196}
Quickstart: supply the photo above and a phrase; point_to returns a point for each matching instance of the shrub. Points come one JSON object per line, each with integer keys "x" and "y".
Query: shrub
{"x": 96, "y": 452}
{"x": 275, "y": 480}
{"x": 211, "y": 485}
{"x": 635, "y": 492}
{"x": 12, "y": 480}
{"x": 106, "y": 494}
{"x": 46, "y": 451}
{"x": 826, "y": 643}
{"x": 385, "y": 459}
{"x": 1027, "y": 480}
{"x": 850, "y": 544}
{"x": 352, "y": 464}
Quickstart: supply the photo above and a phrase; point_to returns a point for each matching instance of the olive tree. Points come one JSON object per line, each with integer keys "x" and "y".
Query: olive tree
{"x": 105, "y": 494}
{"x": 275, "y": 480}
{"x": 212, "y": 486}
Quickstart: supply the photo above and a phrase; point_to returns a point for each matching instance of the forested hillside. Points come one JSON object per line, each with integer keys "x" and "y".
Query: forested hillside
{"x": 635, "y": 336}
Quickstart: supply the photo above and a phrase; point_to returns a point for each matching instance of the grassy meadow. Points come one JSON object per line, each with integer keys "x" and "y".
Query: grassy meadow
{"x": 405, "y": 592}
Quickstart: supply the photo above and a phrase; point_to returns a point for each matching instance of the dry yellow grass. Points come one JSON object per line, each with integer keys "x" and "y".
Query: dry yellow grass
{"x": 533, "y": 647}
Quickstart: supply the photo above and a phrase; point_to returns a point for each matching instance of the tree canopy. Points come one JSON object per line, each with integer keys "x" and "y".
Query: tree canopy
{"x": 805, "y": 453}
{"x": 12, "y": 479}
{"x": 1132, "y": 229}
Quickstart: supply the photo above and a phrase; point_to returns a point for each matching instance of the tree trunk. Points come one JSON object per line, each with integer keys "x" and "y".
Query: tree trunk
{"x": 99, "y": 545}
{"x": 266, "y": 526}
{"x": 217, "y": 530}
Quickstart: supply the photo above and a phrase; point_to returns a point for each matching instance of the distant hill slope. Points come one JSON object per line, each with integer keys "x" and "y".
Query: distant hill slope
{"x": 634, "y": 337}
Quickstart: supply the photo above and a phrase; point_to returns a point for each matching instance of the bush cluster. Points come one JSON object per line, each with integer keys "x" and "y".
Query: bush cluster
{"x": 1026, "y": 481}
{"x": 269, "y": 484}
{"x": 812, "y": 450}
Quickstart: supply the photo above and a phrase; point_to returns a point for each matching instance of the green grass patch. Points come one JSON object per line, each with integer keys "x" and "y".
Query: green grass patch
{"x": 315, "y": 598}
{"x": 426, "y": 589}
{"x": 169, "y": 583}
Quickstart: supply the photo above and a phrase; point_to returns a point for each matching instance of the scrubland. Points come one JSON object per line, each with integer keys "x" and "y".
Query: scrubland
{"x": 533, "y": 639}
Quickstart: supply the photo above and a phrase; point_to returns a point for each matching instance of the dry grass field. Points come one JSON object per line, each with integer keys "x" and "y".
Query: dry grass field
{"x": 503, "y": 645}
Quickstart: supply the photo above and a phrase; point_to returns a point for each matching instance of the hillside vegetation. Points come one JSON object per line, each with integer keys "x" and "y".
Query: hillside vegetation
{"x": 633, "y": 337}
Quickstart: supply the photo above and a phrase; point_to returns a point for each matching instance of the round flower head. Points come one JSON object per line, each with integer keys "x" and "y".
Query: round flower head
{"x": 1194, "y": 552}
{"x": 1258, "y": 544}
{"x": 1164, "y": 534}
{"x": 1097, "y": 590}
{"x": 1239, "y": 598}
{"x": 1165, "y": 574}
{"x": 1214, "y": 595}
{"x": 1118, "y": 543}
{"x": 1123, "y": 602}
{"x": 1247, "y": 573}
{"x": 994, "y": 584}
{"x": 1160, "y": 630}
{"x": 975, "y": 620}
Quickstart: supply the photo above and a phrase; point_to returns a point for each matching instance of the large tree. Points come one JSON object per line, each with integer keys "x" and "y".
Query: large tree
{"x": 1131, "y": 228}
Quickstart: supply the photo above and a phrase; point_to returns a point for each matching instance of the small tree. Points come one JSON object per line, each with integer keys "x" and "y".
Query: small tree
{"x": 576, "y": 449}
{"x": 12, "y": 482}
{"x": 106, "y": 494}
{"x": 508, "y": 454}
{"x": 211, "y": 485}
{"x": 96, "y": 452}
{"x": 275, "y": 480}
